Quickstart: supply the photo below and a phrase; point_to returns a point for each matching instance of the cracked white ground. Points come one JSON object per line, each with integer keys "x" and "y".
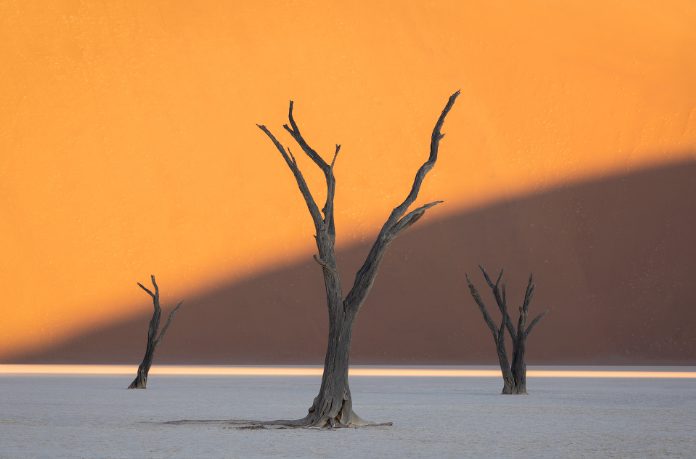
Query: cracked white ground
{"x": 96, "y": 416}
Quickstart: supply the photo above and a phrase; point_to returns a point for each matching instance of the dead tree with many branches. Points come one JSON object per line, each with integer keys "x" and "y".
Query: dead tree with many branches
{"x": 333, "y": 406}
{"x": 515, "y": 374}
{"x": 140, "y": 381}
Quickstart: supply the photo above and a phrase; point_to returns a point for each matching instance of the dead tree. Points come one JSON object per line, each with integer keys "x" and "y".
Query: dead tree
{"x": 334, "y": 404}
{"x": 515, "y": 374}
{"x": 140, "y": 381}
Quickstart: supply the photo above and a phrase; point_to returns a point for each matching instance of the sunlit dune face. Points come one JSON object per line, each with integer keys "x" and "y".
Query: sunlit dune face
{"x": 129, "y": 144}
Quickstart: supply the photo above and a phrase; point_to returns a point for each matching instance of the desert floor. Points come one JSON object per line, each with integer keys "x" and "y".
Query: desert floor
{"x": 95, "y": 416}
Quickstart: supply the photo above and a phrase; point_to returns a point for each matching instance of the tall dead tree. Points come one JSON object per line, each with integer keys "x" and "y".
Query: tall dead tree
{"x": 140, "y": 381}
{"x": 515, "y": 374}
{"x": 334, "y": 404}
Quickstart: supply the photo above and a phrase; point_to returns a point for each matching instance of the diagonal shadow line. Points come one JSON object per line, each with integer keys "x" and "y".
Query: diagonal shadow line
{"x": 614, "y": 261}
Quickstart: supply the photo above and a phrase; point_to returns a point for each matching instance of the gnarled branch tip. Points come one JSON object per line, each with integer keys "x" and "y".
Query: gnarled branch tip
{"x": 338, "y": 148}
{"x": 145, "y": 288}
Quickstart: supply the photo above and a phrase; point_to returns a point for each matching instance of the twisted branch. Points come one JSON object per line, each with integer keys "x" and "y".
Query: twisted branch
{"x": 395, "y": 224}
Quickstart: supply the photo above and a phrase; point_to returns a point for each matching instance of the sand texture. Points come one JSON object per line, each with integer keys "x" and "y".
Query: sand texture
{"x": 129, "y": 147}
{"x": 613, "y": 262}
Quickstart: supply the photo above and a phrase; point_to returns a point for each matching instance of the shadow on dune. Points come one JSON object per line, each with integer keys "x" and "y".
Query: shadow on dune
{"x": 614, "y": 262}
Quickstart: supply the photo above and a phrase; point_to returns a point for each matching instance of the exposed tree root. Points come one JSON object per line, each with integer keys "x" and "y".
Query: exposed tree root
{"x": 282, "y": 423}
{"x": 344, "y": 418}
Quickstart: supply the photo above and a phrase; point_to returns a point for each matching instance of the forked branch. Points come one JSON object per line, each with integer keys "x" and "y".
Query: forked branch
{"x": 498, "y": 336}
{"x": 166, "y": 326}
{"x": 395, "y": 224}
{"x": 515, "y": 374}
{"x": 500, "y": 299}
{"x": 328, "y": 209}
{"x": 333, "y": 405}
{"x": 304, "y": 189}
{"x": 435, "y": 138}
{"x": 482, "y": 307}
{"x": 534, "y": 322}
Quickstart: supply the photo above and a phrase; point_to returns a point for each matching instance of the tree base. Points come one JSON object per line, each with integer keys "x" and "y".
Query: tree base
{"x": 140, "y": 381}
{"x": 340, "y": 416}
{"x": 513, "y": 391}
{"x": 285, "y": 424}
{"x": 137, "y": 384}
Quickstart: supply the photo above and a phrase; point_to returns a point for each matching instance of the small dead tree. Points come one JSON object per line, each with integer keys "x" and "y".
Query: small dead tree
{"x": 334, "y": 404}
{"x": 515, "y": 374}
{"x": 140, "y": 381}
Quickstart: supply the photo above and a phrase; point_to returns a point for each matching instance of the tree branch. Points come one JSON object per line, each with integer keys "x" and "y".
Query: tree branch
{"x": 529, "y": 293}
{"x": 411, "y": 218}
{"x": 148, "y": 291}
{"x": 504, "y": 297}
{"x": 328, "y": 209}
{"x": 164, "y": 330}
{"x": 524, "y": 309}
{"x": 488, "y": 279}
{"x": 295, "y": 133}
{"x": 399, "y": 211}
{"x": 534, "y": 322}
{"x": 304, "y": 189}
{"x": 156, "y": 294}
{"x": 502, "y": 305}
{"x": 503, "y": 309}
{"x": 393, "y": 227}
{"x": 338, "y": 147}
{"x": 498, "y": 332}
{"x": 482, "y": 308}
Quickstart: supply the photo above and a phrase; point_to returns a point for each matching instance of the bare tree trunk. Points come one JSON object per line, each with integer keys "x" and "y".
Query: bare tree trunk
{"x": 515, "y": 374}
{"x": 498, "y": 333}
{"x": 519, "y": 368}
{"x": 519, "y": 339}
{"x": 140, "y": 381}
{"x": 334, "y": 402}
{"x": 333, "y": 406}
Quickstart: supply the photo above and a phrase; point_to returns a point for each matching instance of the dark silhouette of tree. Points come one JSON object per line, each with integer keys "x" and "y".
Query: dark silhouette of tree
{"x": 140, "y": 381}
{"x": 515, "y": 374}
{"x": 334, "y": 405}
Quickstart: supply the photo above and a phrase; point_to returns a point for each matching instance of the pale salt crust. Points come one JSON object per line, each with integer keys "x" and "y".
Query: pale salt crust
{"x": 96, "y": 416}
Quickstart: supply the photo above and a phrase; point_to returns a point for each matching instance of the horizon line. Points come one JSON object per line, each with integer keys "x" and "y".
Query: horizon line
{"x": 438, "y": 372}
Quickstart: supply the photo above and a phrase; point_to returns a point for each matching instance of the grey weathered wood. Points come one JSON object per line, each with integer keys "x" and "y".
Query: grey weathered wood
{"x": 498, "y": 337}
{"x": 333, "y": 404}
{"x": 140, "y": 381}
{"x": 515, "y": 373}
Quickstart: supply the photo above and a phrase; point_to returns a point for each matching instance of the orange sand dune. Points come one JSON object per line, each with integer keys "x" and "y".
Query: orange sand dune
{"x": 128, "y": 143}
{"x": 613, "y": 261}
